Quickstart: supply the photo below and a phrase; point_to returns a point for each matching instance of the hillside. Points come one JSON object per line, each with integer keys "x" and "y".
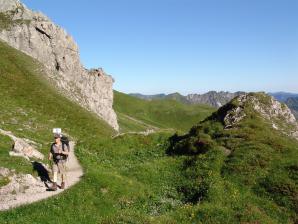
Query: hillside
{"x": 211, "y": 98}
{"x": 128, "y": 179}
{"x": 241, "y": 163}
{"x": 162, "y": 114}
{"x": 173, "y": 96}
{"x": 237, "y": 166}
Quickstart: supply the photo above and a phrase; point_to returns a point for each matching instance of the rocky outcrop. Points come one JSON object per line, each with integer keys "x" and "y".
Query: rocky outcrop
{"x": 36, "y": 35}
{"x": 261, "y": 104}
{"x": 17, "y": 186}
{"x": 20, "y": 183}
{"x": 22, "y": 147}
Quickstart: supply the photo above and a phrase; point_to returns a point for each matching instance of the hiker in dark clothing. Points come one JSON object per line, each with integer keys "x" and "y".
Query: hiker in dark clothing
{"x": 58, "y": 153}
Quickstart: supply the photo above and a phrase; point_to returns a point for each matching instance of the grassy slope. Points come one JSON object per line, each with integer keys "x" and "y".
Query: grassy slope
{"x": 130, "y": 179}
{"x": 256, "y": 183}
{"x": 160, "y": 113}
{"x": 127, "y": 179}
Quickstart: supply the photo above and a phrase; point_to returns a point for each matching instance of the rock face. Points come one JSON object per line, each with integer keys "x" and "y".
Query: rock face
{"x": 212, "y": 98}
{"x": 265, "y": 106}
{"x": 36, "y": 35}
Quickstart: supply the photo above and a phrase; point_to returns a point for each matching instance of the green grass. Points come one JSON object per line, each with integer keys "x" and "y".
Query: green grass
{"x": 161, "y": 113}
{"x": 256, "y": 183}
{"x": 3, "y": 181}
{"x": 129, "y": 179}
{"x": 133, "y": 178}
{"x": 127, "y": 124}
{"x": 20, "y": 165}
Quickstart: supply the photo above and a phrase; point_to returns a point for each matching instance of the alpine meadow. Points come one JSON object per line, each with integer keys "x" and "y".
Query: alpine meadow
{"x": 212, "y": 158}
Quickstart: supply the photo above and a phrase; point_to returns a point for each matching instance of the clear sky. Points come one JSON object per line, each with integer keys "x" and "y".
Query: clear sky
{"x": 186, "y": 46}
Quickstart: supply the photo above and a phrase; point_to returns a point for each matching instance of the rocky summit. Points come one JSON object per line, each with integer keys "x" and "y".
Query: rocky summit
{"x": 36, "y": 35}
{"x": 258, "y": 104}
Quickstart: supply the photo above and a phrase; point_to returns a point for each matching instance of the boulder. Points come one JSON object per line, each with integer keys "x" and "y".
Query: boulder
{"x": 22, "y": 148}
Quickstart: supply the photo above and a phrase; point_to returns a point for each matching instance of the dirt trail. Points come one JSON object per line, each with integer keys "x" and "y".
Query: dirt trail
{"x": 37, "y": 193}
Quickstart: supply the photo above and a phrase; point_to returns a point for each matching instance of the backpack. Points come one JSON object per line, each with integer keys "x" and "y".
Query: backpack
{"x": 65, "y": 145}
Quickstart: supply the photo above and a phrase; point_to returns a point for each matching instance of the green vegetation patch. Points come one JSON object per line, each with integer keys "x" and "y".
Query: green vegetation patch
{"x": 209, "y": 175}
{"x": 3, "y": 181}
{"x": 126, "y": 179}
{"x": 161, "y": 113}
{"x": 13, "y": 163}
{"x": 242, "y": 175}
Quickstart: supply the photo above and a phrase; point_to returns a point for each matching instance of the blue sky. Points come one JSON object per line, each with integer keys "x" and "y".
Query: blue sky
{"x": 186, "y": 46}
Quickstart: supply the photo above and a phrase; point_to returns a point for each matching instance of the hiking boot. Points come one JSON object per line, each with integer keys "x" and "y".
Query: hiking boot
{"x": 62, "y": 185}
{"x": 54, "y": 187}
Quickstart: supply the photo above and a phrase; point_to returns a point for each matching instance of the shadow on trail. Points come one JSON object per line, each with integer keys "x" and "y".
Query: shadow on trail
{"x": 41, "y": 171}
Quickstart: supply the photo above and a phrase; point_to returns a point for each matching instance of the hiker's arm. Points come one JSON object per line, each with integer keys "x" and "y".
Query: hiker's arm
{"x": 50, "y": 156}
{"x": 66, "y": 152}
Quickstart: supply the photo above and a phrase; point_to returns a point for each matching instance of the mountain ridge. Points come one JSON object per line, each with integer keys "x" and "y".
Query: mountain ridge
{"x": 218, "y": 99}
{"x": 292, "y": 103}
{"x": 211, "y": 98}
{"x": 283, "y": 96}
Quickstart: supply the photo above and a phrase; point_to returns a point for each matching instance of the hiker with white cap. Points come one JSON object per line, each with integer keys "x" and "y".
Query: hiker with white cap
{"x": 59, "y": 153}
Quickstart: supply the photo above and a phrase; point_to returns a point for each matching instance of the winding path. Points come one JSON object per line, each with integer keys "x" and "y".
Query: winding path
{"x": 74, "y": 174}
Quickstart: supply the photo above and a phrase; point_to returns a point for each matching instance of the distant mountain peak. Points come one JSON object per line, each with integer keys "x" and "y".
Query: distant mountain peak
{"x": 211, "y": 98}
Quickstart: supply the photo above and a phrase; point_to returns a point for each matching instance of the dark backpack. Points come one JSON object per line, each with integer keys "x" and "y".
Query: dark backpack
{"x": 65, "y": 144}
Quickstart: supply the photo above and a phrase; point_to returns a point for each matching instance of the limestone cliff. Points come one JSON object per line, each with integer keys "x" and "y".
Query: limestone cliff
{"x": 36, "y": 35}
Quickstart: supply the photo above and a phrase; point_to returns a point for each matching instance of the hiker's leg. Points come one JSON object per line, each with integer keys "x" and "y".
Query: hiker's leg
{"x": 63, "y": 174}
{"x": 55, "y": 172}
{"x": 63, "y": 177}
{"x": 55, "y": 177}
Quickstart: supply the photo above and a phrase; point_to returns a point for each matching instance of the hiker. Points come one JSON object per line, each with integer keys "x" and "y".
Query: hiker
{"x": 59, "y": 153}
